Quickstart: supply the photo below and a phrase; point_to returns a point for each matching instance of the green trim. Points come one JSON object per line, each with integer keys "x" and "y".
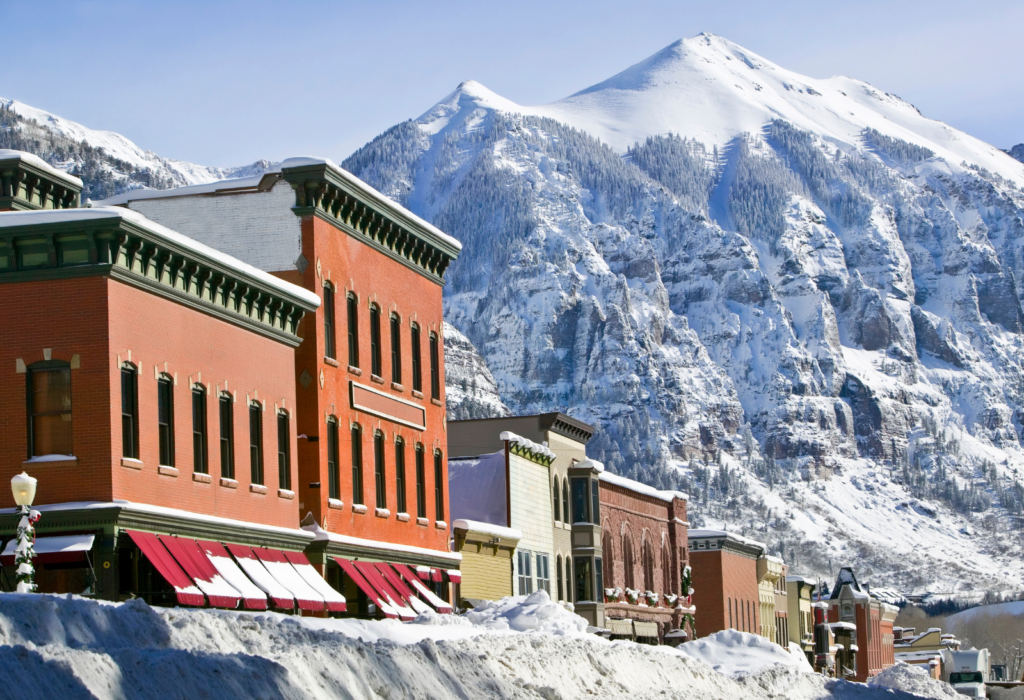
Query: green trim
{"x": 135, "y": 255}
{"x": 321, "y": 550}
{"x": 517, "y": 449}
{"x": 321, "y": 191}
{"x": 25, "y": 186}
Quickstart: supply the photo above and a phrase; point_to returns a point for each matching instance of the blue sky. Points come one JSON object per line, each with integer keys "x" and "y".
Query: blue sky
{"x": 225, "y": 83}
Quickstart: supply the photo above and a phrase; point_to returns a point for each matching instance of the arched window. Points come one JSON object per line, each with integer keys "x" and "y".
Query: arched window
{"x": 49, "y": 408}
{"x": 396, "y": 349}
{"x": 648, "y": 562}
{"x": 438, "y": 486}
{"x": 555, "y": 498}
{"x": 256, "y": 443}
{"x": 400, "y": 475}
{"x": 608, "y": 553}
{"x": 165, "y": 418}
{"x": 328, "y": 309}
{"x": 381, "y": 491}
{"x": 357, "y": 464}
{"x": 284, "y": 451}
{"x": 558, "y": 575}
{"x": 435, "y": 368}
{"x": 421, "y": 487}
{"x": 565, "y": 501}
{"x": 628, "y": 561}
{"x": 200, "y": 451}
{"x": 353, "y": 329}
{"x": 417, "y": 360}
{"x": 375, "y": 358}
{"x": 333, "y": 468}
{"x": 568, "y": 579}
{"x": 129, "y": 411}
{"x": 226, "y": 404}
{"x": 730, "y": 614}
{"x": 666, "y": 570}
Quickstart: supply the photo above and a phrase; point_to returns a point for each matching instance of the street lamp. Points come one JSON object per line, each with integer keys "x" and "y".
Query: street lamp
{"x": 23, "y": 487}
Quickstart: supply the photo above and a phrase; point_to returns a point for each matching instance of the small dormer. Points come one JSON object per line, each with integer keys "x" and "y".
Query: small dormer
{"x": 28, "y": 183}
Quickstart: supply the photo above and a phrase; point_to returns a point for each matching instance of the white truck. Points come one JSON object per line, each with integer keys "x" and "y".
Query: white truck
{"x": 967, "y": 671}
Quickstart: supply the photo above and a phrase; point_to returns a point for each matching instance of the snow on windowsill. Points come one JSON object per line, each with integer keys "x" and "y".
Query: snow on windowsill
{"x": 336, "y": 504}
{"x": 382, "y": 512}
{"x": 403, "y": 517}
{"x": 51, "y": 458}
{"x": 422, "y": 521}
{"x": 359, "y": 508}
{"x": 440, "y": 525}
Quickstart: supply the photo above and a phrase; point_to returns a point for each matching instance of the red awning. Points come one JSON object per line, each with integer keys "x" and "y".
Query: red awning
{"x": 418, "y": 606}
{"x": 435, "y": 575}
{"x": 335, "y": 601}
{"x": 406, "y": 573}
{"x": 255, "y": 570}
{"x": 423, "y": 572}
{"x": 54, "y": 549}
{"x": 366, "y": 587}
{"x": 253, "y": 598}
{"x": 195, "y": 563}
{"x": 162, "y": 560}
{"x": 279, "y": 567}
{"x": 454, "y": 575}
{"x": 369, "y": 571}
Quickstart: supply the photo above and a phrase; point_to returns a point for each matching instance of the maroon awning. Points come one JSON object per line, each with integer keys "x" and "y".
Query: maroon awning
{"x": 164, "y": 563}
{"x": 335, "y": 601}
{"x": 254, "y": 569}
{"x": 282, "y": 570}
{"x": 198, "y": 566}
{"x": 366, "y": 587}
{"x": 440, "y": 605}
{"x": 252, "y": 597}
{"x": 372, "y": 575}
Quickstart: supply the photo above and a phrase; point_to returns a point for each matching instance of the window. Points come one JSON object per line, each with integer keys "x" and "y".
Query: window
{"x": 284, "y": 452}
{"x": 375, "y": 364}
{"x": 165, "y": 419}
{"x": 584, "y": 586}
{"x": 328, "y": 321}
{"x": 565, "y": 501}
{"x": 333, "y": 470}
{"x": 599, "y": 575}
{"x": 129, "y": 412}
{"x": 555, "y": 497}
{"x": 421, "y": 489}
{"x": 227, "y": 437}
{"x": 558, "y": 576}
{"x": 357, "y": 465}
{"x": 568, "y": 579}
{"x": 438, "y": 486}
{"x": 378, "y": 470}
{"x": 525, "y": 574}
{"x": 628, "y": 561}
{"x": 353, "y": 330}
{"x": 200, "y": 456}
{"x": 435, "y": 369}
{"x": 256, "y": 442}
{"x": 417, "y": 362}
{"x": 396, "y": 349}
{"x": 49, "y": 408}
{"x": 580, "y": 500}
{"x": 730, "y": 614}
{"x": 543, "y": 573}
{"x": 400, "y": 475}
{"x": 595, "y": 503}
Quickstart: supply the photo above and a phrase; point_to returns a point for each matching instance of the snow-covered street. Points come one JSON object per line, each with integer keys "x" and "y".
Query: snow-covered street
{"x": 69, "y": 648}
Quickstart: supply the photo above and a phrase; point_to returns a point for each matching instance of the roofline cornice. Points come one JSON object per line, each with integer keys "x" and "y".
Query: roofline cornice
{"x": 24, "y": 186}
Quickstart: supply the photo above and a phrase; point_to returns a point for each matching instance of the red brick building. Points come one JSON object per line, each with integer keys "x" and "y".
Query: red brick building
{"x": 852, "y": 603}
{"x": 644, "y": 545}
{"x": 725, "y": 581}
{"x": 149, "y": 381}
{"x": 369, "y": 371}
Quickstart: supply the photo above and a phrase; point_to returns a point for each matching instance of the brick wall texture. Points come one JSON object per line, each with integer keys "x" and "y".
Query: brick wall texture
{"x": 725, "y": 592}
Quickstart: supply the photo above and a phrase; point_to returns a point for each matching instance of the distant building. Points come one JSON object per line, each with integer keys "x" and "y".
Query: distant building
{"x": 725, "y": 581}
{"x": 851, "y": 603}
{"x": 771, "y": 587}
{"x": 924, "y": 649}
{"x": 801, "y": 618}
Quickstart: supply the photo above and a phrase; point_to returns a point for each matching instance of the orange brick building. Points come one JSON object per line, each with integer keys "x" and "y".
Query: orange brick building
{"x": 372, "y": 481}
{"x": 725, "y": 581}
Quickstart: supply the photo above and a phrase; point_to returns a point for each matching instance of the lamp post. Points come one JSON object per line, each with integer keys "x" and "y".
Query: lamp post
{"x": 24, "y": 488}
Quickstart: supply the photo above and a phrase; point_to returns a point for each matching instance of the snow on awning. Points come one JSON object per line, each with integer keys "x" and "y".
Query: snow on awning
{"x": 418, "y": 606}
{"x": 423, "y": 572}
{"x": 435, "y": 575}
{"x": 164, "y": 563}
{"x": 454, "y": 575}
{"x": 335, "y": 601}
{"x": 279, "y": 567}
{"x": 200, "y": 569}
{"x": 253, "y": 597}
{"x": 366, "y": 587}
{"x": 59, "y": 549}
{"x": 370, "y": 573}
{"x": 406, "y": 573}
{"x": 255, "y": 570}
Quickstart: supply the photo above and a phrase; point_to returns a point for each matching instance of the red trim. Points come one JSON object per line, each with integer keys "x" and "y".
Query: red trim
{"x": 454, "y": 578}
{"x": 368, "y": 570}
{"x": 167, "y": 566}
{"x": 242, "y": 552}
{"x": 216, "y": 549}
{"x": 372, "y": 593}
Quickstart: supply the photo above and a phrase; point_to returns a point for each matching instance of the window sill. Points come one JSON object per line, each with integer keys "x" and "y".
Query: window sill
{"x": 66, "y": 462}
{"x": 228, "y": 483}
{"x": 202, "y": 478}
{"x": 403, "y": 517}
{"x": 332, "y": 362}
{"x": 382, "y": 512}
{"x": 397, "y": 387}
{"x": 359, "y": 508}
{"x": 440, "y": 525}
{"x": 355, "y": 370}
{"x": 335, "y": 503}
{"x": 375, "y": 379}
{"x": 125, "y": 462}
{"x": 422, "y": 521}
{"x": 167, "y": 471}
{"x": 286, "y": 494}
{"x": 436, "y": 402}
{"x": 417, "y": 394}
{"x": 258, "y": 488}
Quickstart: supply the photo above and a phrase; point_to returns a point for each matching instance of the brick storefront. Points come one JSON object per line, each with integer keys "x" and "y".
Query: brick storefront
{"x": 724, "y": 582}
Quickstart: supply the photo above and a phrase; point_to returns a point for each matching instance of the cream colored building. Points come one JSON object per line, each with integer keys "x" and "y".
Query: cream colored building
{"x": 769, "y": 571}
{"x": 487, "y": 551}
{"x": 801, "y": 617}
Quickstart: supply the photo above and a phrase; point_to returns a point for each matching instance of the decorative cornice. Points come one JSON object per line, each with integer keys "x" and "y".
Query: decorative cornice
{"x": 319, "y": 550}
{"x": 133, "y": 254}
{"x": 526, "y": 453}
{"x": 26, "y": 183}
{"x": 320, "y": 190}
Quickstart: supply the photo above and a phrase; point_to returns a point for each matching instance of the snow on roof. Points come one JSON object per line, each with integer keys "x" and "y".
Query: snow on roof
{"x": 297, "y": 162}
{"x": 31, "y": 218}
{"x": 589, "y": 463}
{"x": 796, "y": 579}
{"x": 773, "y": 558}
{"x": 636, "y": 486}
{"x": 318, "y": 534}
{"x": 32, "y": 159}
{"x": 528, "y": 445}
{"x": 705, "y": 533}
{"x": 507, "y": 533}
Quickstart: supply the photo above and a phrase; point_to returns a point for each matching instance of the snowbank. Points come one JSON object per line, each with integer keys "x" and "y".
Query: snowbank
{"x": 912, "y": 679}
{"x": 737, "y": 653}
{"x": 533, "y": 613}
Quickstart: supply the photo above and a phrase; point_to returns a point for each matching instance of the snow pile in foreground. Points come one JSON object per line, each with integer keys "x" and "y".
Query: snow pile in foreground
{"x": 735, "y": 653}
{"x": 533, "y": 613}
{"x": 68, "y": 648}
{"x": 912, "y": 679}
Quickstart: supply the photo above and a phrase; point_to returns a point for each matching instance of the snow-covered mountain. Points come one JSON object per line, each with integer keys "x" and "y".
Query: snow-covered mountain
{"x": 748, "y": 278}
{"x": 108, "y": 163}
